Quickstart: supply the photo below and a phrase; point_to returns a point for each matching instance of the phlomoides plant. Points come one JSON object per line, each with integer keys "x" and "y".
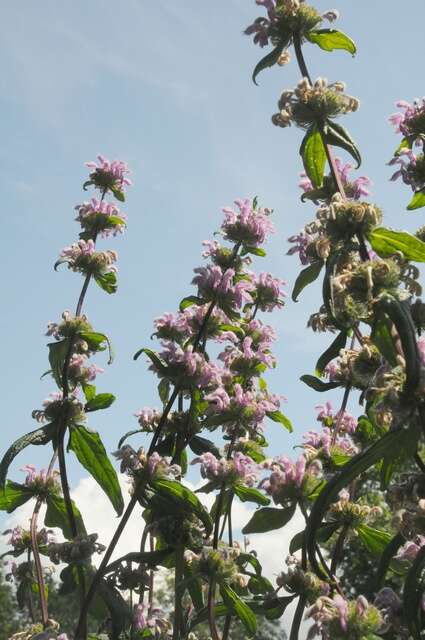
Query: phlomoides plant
{"x": 211, "y": 362}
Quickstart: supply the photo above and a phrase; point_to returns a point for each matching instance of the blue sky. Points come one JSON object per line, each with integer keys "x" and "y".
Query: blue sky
{"x": 166, "y": 86}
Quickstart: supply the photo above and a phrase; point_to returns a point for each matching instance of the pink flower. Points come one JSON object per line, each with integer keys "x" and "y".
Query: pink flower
{"x": 410, "y": 550}
{"x": 97, "y": 214}
{"x": 409, "y": 123}
{"x": 249, "y": 225}
{"x": 109, "y": 175}
{"x": 269, "y": 292}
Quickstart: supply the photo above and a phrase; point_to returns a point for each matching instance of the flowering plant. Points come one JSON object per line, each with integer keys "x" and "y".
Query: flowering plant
{"x": 215, "y": 406}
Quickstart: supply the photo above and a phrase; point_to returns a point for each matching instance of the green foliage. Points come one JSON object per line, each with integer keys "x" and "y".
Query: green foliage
{"x": 313, "y": 154}
{"x": 91, "y": 454}
{"x": 268, "y": 519}
{"x": 331, "y": 39}
{"x": 306, "y": 277}
{"x": 40, "y": 436}
{"x": 387, "y": 242}
{"x": 56, "y": 516}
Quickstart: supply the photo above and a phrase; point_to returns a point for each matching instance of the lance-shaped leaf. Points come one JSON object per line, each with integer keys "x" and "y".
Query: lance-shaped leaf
{"x": 120, "y": 614}
{"x": 101, "y": 401}
{"x": 107, "y": 282}
{"x": 382, "y": 338}
{"x": 240, "y": 609}
{"x": 91, "y": 453}
{"x": 256, "y": 251}
{"x": 390, "y": 442}
{"x": 40, "y": 436}
{"x": 331, "y": 39}
{"x": 412, "y": 596}
{"x": 249, "y": 494}
{"x": 153, "y": 357}
{"x": 184, "y": 498}
{"x": 331, "y": 352}
{"x": 56, "y": 516}
{"x": 306, "y": 277}
{"x": 337, "y": 136}
{"x": 57, "y": 354}
{"x": 97, "y": 342}
{"x": 400, "y": 315}
{"x": 313, "y": 154}
{"x": 318, "y": 385}
{"x": 127, "y": 435}
{"x": 386, "y": 242}
{"x": 387, "y": 555}
{"x": 323, "y": 535}
{"x": 269, "y": 60}
{"x": 119, "y": 195}
{"x": 417, "y": 201}
{"x": 203, "y": 445}
{"x": 373, "y": 539}
{"x": 268, "y": 519}
{"x": 13, "y": 495}
{"x": 189, "y": 301}
{"x": 278, "y": 416}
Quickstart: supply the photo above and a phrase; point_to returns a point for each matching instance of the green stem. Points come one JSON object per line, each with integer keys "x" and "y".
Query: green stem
{"x": 298, "y": 616}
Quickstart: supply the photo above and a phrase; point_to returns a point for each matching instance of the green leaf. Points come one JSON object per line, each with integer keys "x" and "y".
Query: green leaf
{"x": 331, "y": 39}
{"x": 417, "y": 201}
{"x": 268, "y": 519}
{"x": 374, "y": 540}
{"x": 119, "y": 195}
{"x": 248, "y": 558}
{"x": 391, "y": 441}
{"x": 120, "y": 614}
{"x": 40, "y": 436}
{"x": 89, "y": 391}
{"x": 306, "y": 277}
{"x": 194, "y": 586}
{"x": 401, "y": 316}
{"x": 239, "y": 608}
{"x": 269, "y": 60}
{"x": 230, "y": 327}
{"x": 381, "y": 338}
{"x": 96, "y": 340}
{"x": 256, "y": 251}
{"x": 13, "y": 495}
{"x": 164, "y": 390}
{"x": 56, "y": 516}
{"x": 323, "y": 535}
{"x": 249, "y": 494}
{"x": 153, "y": 357}
{"x": 331, "y": 352}
{"x": 412, "y": 595}
{"x": 189, "y": 301}
{"x": 201, "y": 445}
{"x": 318, "y": 385}
{"x": 406, "y": 143}
{"x": 387, "y": 555}
{"x": 184, "y": 498}
{"x": 107, "y": 281}
{"x": 336, "y": 135}
{"x": 57, "y": 355}
{"x": 127, "y": 435}
{"x": 313, "y": 154}
{"x": 91, "y": 454}
{"x": 387, "y": 242}
{"x": 278, "y": 416}
{"x": 101, "y": 401}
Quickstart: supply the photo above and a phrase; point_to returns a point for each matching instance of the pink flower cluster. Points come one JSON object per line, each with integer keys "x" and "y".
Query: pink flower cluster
{"x": 109, "y": 174}
{"x": 269, "y": 292}
{"x": 287, "y": 478}
{"x": 245, "y": 408}
{"x": 346, "y": 422}
{"x": 188, "y": 365}
{"x": 101, "y": 216}
{"x": 82, "y": 256}
{"x": 79, "y": 372}
{"x": 214, "y": 282}
{"x": 262, "y": 27}
{"x": 410, "y": 550}
{"x": 411, "y": 169}
{"x": 249, "y": 225}
{"x": 148, "y": 418}
{"x": 355, "y": 189}
{"x": 324, "y": 440}
{"x": 240, "y": 468}
{"x": 407, "y": 123}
